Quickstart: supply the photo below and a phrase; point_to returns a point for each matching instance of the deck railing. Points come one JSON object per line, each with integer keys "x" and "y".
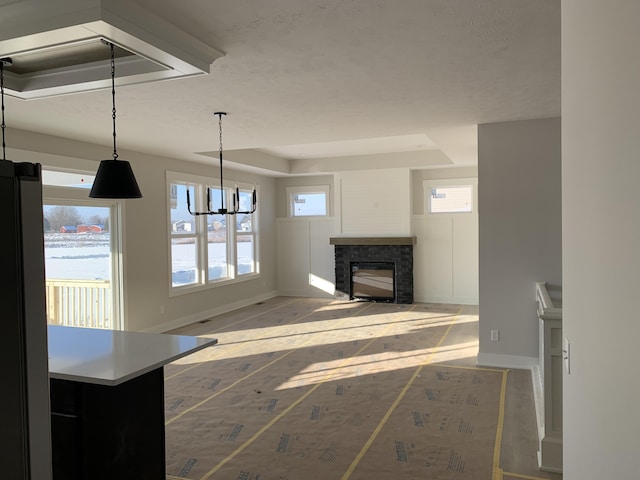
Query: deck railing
{"x": 79, "y": 303}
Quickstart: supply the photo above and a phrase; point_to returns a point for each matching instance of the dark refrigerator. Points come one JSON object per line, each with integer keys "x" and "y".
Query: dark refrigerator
{"x": 25, "y": 431}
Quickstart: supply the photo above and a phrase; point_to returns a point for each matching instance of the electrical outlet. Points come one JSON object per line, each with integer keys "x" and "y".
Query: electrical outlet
{"x": 495, "y": 335}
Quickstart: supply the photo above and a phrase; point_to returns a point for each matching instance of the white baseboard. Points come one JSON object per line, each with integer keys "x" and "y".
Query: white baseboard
{"x": 446, "y": 300}
{"x": 212, "y": 312}
{"x": 305, "y": 293}
{"x": 506, "y": 361}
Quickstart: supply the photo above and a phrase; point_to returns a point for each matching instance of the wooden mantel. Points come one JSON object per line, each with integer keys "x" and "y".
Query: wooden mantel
{"x": 372, "y": 240}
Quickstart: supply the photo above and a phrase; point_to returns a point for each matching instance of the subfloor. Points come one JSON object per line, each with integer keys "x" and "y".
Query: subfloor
{"x": 318, "y": 388}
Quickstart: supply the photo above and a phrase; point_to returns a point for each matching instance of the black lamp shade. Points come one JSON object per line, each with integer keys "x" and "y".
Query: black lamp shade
{"x": 115, "y": 179}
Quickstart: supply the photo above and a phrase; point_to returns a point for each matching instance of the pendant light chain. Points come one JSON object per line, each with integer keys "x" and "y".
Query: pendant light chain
{"x": 220, "y": 131}
{"x": 114, "y": 178}
{"x": 2, "y": 62}
{"x": 220, "y": 114}
{"x": 113, "y": 99}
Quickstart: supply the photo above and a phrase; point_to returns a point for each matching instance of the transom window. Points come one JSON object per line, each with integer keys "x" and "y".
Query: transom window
{"x": 452, "y": 196}
{"x": 308, "y": 201}
{"x": 452, "y": 199}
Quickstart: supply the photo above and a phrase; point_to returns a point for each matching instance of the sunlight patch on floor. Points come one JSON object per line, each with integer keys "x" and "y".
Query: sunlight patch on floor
{"x": 240, "y": 343}
{"x": 378, "y": 363}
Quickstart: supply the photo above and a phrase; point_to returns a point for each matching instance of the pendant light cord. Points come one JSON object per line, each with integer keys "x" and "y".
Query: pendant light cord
{"x": 220, "y": 114}
{"x": 4, "y": 157}
{"x": 113, "y": 98}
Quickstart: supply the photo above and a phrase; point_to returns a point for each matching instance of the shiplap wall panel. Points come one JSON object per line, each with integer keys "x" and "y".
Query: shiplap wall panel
{"x": 375, "y": 202}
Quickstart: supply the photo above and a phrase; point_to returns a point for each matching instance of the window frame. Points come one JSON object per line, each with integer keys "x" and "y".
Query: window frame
{"x": 201, "y": 233}
{"x": 253, "y": 233}
{"x": 430, "y": 184}
{"x": 77, "y": 196}
{"x": 291, "y": 193}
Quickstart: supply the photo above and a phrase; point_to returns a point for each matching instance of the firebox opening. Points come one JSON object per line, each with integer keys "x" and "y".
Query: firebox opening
{"x": 373, "y": 281}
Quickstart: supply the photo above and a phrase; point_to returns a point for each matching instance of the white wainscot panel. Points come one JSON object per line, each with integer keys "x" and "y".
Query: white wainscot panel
{"x": 293, "y": 257}
{"x": 306, "y": 265}
{"x": 432, "y": 260}
{"x": 465, "y": 258}
{"x": 322, "y": 258}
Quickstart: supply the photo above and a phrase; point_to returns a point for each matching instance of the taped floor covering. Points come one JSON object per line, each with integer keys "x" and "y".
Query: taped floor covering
{"x": 323, "y": 389}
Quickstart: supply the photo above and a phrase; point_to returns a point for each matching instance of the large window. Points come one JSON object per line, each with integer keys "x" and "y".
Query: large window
{"x": 209, "y": 249}
{"x": 82, "y": 253}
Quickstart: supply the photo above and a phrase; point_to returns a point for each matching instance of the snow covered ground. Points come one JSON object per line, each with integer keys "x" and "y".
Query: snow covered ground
{"x": 87, "y": 257}
{"x": 77, "y": 256}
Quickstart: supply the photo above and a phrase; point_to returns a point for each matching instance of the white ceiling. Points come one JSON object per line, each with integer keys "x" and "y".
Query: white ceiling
{"x": 324, "y": 78}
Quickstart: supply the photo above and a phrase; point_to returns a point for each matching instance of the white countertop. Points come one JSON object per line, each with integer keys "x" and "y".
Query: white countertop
{"x": 110, "y": 357}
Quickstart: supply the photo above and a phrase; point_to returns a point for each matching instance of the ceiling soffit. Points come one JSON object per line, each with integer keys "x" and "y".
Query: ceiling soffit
{"x": 57, "y": 47}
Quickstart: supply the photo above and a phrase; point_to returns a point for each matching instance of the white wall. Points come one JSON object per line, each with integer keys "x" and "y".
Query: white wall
{"x": 377, "y": 202}
{"x": 145, "y": 250}
{"x": 445, "y": 263}
{"x": 601, "y": 237}
{"x": 365, "y": 203}
{"x": 520, "y": 233}
{"x": 306, "y": 266}
{"x": 295, "y": 255}
{"x": 371, "y": 203}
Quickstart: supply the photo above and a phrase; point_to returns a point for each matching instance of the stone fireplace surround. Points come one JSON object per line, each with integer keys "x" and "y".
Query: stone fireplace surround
{"x": 397, "y": 250}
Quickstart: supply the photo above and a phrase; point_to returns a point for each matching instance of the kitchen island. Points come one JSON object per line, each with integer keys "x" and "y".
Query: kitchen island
{"x": 107, "y": 401}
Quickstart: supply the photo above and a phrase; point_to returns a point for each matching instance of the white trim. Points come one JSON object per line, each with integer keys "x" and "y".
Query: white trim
{"x": 451, "y": 300}
{"x": 78, "y": 197}
{"x": 306, "y": 293}
{"x": 199, "y": 184}
{"x": 538, "y": 398}
{"x": 293, "y": 191}
{"x": 207, "y": 314}
{"x": 428, "y": 184}
{"x": 506, "y": 361}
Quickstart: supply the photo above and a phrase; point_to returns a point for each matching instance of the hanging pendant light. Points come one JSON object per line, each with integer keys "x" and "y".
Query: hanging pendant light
{"x": 4, "y": 62}
{"x": 236, "y": 196}
{"x": 114, "y": 178}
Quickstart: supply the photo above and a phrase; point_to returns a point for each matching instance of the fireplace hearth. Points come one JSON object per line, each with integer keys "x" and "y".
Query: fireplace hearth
{"x": 395, "y": 253}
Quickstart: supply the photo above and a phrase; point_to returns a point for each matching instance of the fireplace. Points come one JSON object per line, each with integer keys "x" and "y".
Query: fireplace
{"x": 396, "y": 253}
{"x": 373, "y": 281}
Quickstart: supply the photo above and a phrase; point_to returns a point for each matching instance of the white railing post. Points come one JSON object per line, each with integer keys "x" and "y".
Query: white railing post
{"x": 79, "y": 303}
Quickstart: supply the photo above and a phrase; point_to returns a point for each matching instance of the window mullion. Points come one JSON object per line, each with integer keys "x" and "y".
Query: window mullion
{"x": 232, "y": 259}
{"x": 202, "y": 239}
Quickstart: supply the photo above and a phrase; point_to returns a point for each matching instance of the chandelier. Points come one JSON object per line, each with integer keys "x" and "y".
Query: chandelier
{"x": 236, "y": 196}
